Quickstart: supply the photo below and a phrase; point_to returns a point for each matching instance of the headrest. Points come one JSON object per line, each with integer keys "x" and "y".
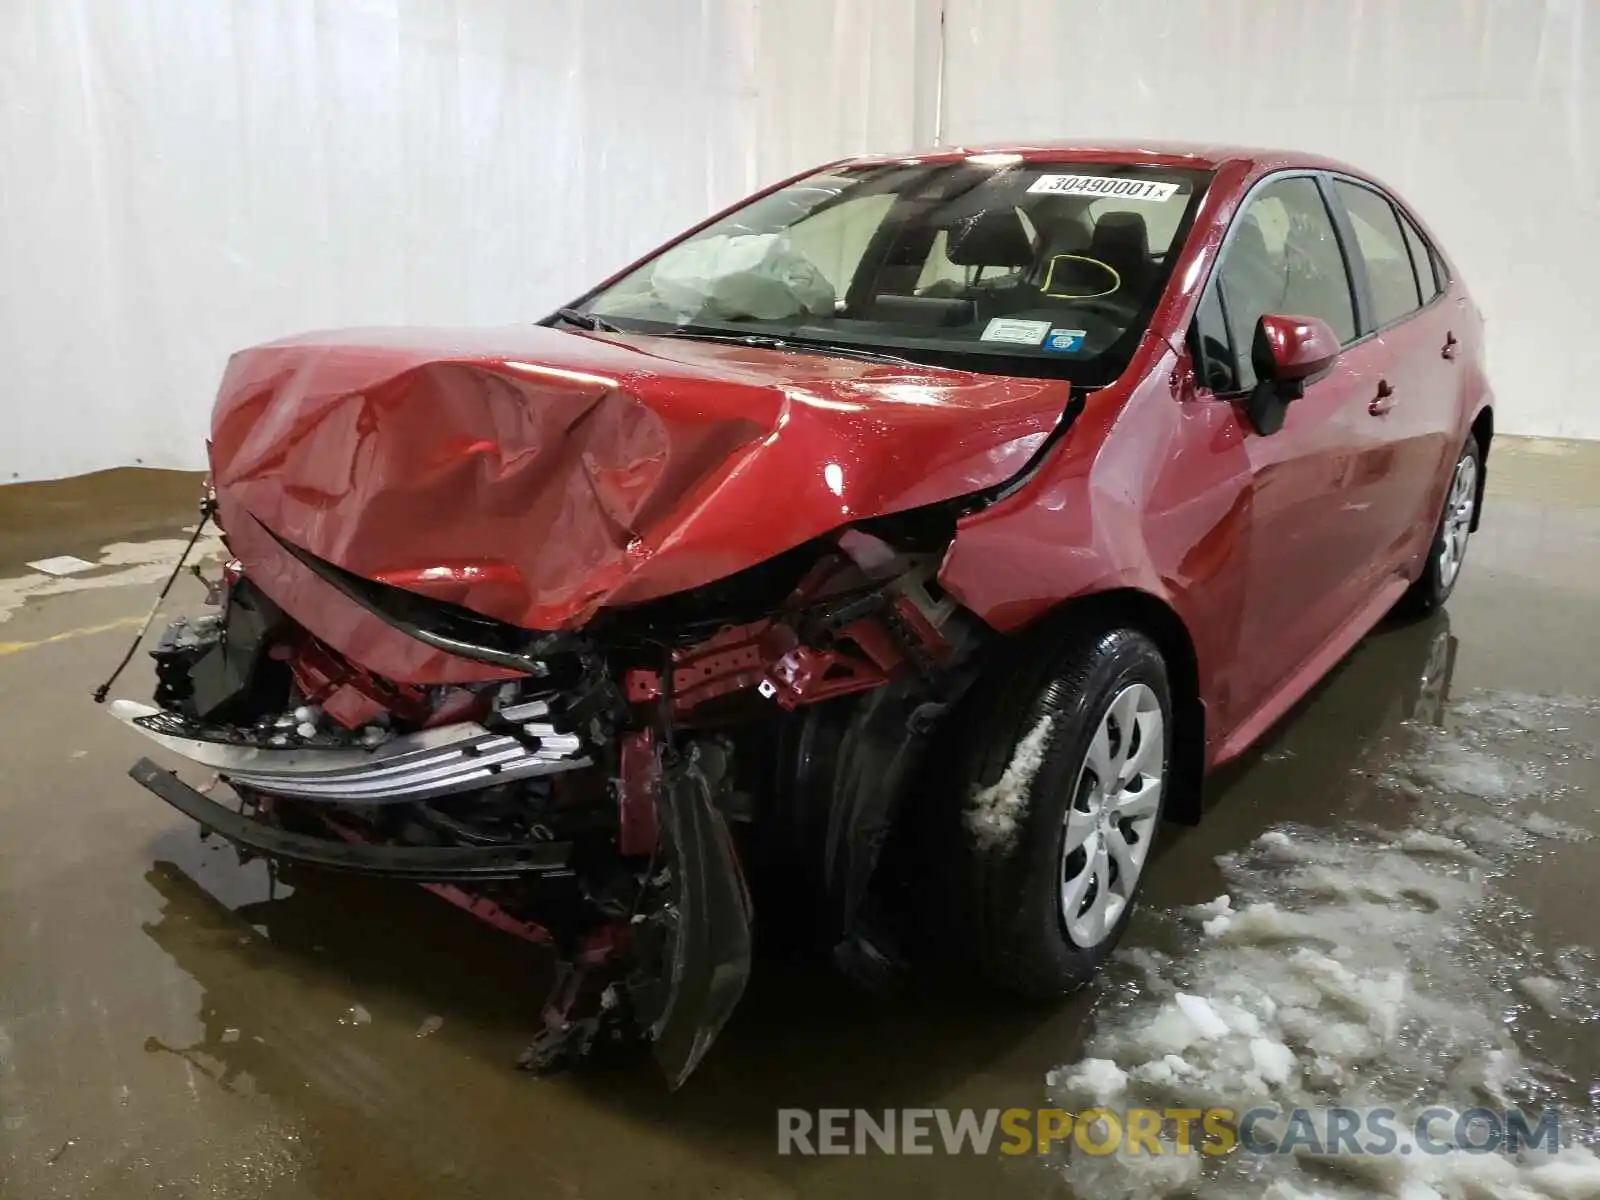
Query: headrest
{"x": 1120, "y": 238}
{"x": 994, "y": 237}
{"x": 1068, "y": 237}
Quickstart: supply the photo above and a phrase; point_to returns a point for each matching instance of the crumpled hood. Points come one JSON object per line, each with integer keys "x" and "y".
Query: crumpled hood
{"x": 536, "y": 475}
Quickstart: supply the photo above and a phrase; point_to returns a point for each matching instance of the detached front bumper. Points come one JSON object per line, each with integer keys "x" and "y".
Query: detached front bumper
{"x": 626, "y": 868}
{"x": 418, "y": 766}
{"x": 418, "y": 864}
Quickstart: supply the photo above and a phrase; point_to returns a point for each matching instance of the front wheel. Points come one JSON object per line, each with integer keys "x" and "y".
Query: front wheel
{"x": 1449, "y": 549}
{"x": 1053, "y": 806}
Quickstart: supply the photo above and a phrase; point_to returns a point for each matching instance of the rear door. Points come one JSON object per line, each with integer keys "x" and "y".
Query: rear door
{"x": 1412, "y": 422}
{"x": 1311, "y": 540}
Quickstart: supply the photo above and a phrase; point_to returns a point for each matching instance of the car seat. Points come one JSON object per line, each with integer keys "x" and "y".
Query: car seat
{"x": 1121, "y": 240}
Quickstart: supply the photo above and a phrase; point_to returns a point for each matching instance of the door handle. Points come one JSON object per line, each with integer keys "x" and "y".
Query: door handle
{"x": 1383, "y": 401}
{"x": 1450, "y": 344}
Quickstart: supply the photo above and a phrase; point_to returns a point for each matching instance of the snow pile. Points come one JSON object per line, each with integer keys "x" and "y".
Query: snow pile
{"x": 993, "y": 813}
{"x": 1547, "y": 993}
{"x": 1500, "y": 713}
{"x": 1464, "y": 770}
{"x": 1356, "y": 968}
{"x": 1548, "y": 827}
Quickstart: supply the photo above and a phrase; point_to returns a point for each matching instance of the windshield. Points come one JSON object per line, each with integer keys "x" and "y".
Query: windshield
{"x": 1034, "y": 269}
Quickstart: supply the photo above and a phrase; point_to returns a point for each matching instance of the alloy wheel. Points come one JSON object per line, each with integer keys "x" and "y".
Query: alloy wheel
{"x": 1111, "y": 822}
{"x": 1458, "y": 519}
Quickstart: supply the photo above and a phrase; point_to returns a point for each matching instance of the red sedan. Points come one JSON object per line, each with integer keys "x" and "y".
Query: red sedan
{"x": 922, "y": 529}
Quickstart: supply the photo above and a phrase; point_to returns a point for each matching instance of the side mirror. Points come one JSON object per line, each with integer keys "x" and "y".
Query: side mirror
{"x": 1287, "y": 353}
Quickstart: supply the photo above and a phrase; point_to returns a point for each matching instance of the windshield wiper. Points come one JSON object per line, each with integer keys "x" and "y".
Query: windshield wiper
{"x": 767, "y": 341}
{"x": 584, "y": 320}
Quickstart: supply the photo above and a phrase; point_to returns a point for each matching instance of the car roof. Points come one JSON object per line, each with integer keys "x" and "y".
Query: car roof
{"x": 1155, "y": 152}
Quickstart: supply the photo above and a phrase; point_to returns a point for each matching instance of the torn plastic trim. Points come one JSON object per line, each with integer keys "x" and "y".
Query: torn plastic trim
{"x": 416, "y": 766}
{"x": 419, "y": 617}
{"x": 414, "y": 863}
{"x": 878, "y": 760}
{"x": 710, "y": 952}
{"x": 878, "y": 756}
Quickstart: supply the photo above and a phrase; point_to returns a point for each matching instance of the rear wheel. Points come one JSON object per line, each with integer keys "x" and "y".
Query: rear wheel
{"x": 1058, "y": 791}
{"x": 1449, "y": 549}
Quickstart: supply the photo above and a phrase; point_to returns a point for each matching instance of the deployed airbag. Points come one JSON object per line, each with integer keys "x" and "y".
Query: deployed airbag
{"x": 747, "y": 275}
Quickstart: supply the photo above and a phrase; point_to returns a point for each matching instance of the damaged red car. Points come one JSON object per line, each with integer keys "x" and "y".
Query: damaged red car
{"x": 899, "y": 548}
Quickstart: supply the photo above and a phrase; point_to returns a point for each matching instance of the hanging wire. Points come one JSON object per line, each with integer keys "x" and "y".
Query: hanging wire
{"x": 207, "y": 508}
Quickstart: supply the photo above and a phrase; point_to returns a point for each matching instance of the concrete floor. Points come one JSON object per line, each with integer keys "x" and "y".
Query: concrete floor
{"x": 170, "y": 1026}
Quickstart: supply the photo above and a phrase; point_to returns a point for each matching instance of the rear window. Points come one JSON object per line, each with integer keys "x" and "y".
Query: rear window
{"x": 987, "y": 263}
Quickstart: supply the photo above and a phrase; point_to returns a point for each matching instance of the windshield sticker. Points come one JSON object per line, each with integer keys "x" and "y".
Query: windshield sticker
{"x": 1104, "y": 185}
{"x": 1065, "y": 341}
{"x": 1009, "y": 329}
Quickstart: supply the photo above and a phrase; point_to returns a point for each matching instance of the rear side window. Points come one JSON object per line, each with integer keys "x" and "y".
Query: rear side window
{"x": 1422, "y": 260}
{"x": 1383, "y": 248}
{"x": 1282, "y": 256}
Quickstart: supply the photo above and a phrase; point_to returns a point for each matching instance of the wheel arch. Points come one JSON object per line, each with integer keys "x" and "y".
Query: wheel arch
{"x": 1158, "y": 620}
{"x": 1483, "y": 433}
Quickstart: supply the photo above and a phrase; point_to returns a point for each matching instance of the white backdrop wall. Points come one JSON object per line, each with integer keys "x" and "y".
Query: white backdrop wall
{"x": 185, "y": 177}
{"x": 1485, "y": 114}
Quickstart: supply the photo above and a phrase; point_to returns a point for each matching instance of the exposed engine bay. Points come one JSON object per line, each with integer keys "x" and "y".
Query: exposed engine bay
{"x": 608, "y": 802}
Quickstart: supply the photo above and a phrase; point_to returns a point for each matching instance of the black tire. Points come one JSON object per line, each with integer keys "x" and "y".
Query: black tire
{"x": 1433, "y": 587}
{"x": 1003, "y": 914}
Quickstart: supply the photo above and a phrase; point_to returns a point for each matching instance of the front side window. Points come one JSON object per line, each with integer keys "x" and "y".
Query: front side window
{"x": 1283, "y": 256}
{"x": 1390, "y": 276}
{"x": 1050, "y": 269}
{"x": 1213, "y": 348}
